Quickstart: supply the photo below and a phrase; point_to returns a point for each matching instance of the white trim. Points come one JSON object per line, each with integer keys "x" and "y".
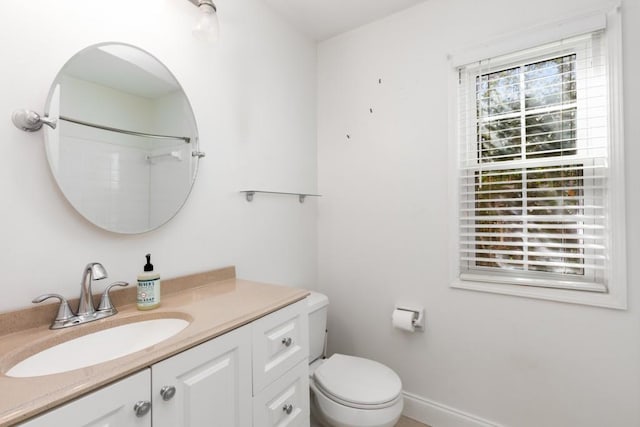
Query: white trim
{"x": 438, "y": 415}
{"x": 617, "y": 191}
{"x": 532, "y": 280}
{"x": 616, "y": 299}
{"x": 453, "y": 183}
{"x": 533, "y": 36}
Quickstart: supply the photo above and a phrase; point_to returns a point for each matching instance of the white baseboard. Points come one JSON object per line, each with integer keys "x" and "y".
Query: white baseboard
{"x": 436, "y": 414}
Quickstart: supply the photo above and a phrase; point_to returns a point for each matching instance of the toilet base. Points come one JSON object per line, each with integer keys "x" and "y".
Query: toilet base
{"x": 314, "y": 420}
{"x": 317, "y": 420}
{"x": 321, "y": 408}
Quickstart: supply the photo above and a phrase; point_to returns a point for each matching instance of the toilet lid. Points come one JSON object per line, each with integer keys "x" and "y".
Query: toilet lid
{"x": 357, "y": 380}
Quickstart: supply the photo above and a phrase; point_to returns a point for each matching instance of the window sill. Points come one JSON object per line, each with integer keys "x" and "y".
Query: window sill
{"x": 612, "y": 299}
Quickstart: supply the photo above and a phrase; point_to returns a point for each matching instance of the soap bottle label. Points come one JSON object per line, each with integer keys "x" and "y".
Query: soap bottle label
{"x": 148, "y": 293}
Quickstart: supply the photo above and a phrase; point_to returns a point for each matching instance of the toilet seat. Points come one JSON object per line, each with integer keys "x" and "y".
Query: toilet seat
{"x": 356, "y": 382}
{"x": 315, "y": 386}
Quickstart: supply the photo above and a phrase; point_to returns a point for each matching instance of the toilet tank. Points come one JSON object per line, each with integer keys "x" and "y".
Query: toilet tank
{"x": 318, "y": 305}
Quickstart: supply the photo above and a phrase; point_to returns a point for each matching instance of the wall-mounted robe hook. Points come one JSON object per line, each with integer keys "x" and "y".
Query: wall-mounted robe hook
{"x": 30, "y": 121}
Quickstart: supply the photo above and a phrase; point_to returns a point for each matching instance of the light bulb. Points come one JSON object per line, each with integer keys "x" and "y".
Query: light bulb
{"x": 207, "y": 27}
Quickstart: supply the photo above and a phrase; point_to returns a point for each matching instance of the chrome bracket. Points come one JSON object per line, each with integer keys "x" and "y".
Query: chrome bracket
{"x": 301, "y": 196}
{"x": 30, "y": 121}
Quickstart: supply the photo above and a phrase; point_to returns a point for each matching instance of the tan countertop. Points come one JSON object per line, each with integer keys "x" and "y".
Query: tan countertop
{"x": 214, "y": 302}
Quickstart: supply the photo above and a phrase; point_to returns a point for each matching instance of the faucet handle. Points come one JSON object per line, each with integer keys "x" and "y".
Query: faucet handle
{"x": 64, "y": 311}
{"x": 105, "y": 301}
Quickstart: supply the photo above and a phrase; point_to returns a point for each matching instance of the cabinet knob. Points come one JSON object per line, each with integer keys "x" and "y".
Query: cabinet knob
{"x": 167, "y": 392}
{"x": 288, "y": 408}
{"x": 287, "y": 341}
{"x": 142, "y": 408}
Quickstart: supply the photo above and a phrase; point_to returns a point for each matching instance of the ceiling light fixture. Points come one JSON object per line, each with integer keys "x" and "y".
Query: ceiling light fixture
{"x": 207, "y": 27}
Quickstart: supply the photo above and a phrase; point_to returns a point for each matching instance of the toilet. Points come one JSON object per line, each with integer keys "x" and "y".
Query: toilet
{"x": 348, "y": 391}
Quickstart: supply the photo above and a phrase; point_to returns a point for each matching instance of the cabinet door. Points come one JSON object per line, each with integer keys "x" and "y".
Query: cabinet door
{"x": 284, "y": 402}
{"x": 111, "y": 406}
{"x": 280, "y": 342}
{"x": 208, "y": 385}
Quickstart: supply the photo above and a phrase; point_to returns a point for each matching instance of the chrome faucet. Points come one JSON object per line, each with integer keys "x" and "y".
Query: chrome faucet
{"x": 93, "y": 271}
{"x": 86, "y": 310}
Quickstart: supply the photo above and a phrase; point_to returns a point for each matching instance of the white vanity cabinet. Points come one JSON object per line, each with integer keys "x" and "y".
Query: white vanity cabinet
{"x": 125, "y": 403}
{"x": 255, "y": 375}
{"x": 208, "y": 385}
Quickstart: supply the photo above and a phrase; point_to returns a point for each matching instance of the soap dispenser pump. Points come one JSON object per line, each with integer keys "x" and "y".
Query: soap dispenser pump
{"x": 148, "y": 287}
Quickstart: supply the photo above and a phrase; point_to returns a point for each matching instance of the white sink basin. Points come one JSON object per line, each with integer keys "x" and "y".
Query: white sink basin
{"x": 98, "y": 347}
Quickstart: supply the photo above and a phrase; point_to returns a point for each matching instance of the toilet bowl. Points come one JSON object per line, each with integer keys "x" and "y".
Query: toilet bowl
{"x": 348, "y": 391}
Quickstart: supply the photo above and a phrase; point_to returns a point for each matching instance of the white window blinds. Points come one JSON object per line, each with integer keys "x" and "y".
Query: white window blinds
{"x": 533, "y": 164}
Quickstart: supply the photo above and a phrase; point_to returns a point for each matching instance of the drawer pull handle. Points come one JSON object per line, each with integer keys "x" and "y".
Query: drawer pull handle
{"x": 287, "y": 341}
{"x": 288, "y": 409}
{"x": 167, "y": 392}
{"x": 142, "y": 408}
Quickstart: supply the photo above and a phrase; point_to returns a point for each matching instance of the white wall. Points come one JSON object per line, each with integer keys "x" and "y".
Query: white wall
{"x": 254, "y": 99}
{"x": 383, "y": 238}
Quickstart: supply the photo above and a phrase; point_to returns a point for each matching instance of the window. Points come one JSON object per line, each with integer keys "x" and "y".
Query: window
{"x": 535, "y": 170}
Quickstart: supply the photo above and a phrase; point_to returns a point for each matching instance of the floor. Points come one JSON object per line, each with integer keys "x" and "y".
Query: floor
{"x": 408, "y": 422}
{"x": 404, "y": 422}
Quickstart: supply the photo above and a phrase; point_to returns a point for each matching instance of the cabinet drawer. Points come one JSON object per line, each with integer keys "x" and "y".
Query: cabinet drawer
{"x": 285, "y": 402}
{"x": 280, "y": 341}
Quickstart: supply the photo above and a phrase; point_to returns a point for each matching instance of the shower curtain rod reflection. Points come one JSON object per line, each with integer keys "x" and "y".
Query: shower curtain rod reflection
{"x": 186, "y": 139}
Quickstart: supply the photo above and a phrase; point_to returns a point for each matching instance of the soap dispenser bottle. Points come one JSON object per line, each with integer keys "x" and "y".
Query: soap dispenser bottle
{"x": 148, "y": 287}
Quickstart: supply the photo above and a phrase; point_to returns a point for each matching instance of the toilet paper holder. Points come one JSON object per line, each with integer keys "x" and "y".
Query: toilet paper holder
{"x": 418, "y": 314}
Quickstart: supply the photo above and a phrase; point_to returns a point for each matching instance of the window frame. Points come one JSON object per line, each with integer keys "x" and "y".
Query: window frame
{"x": 591, "y": 282}
{"x": 580, "y": 291}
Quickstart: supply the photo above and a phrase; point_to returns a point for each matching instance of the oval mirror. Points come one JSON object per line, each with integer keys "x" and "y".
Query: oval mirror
{"x": 125, "y": 148}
